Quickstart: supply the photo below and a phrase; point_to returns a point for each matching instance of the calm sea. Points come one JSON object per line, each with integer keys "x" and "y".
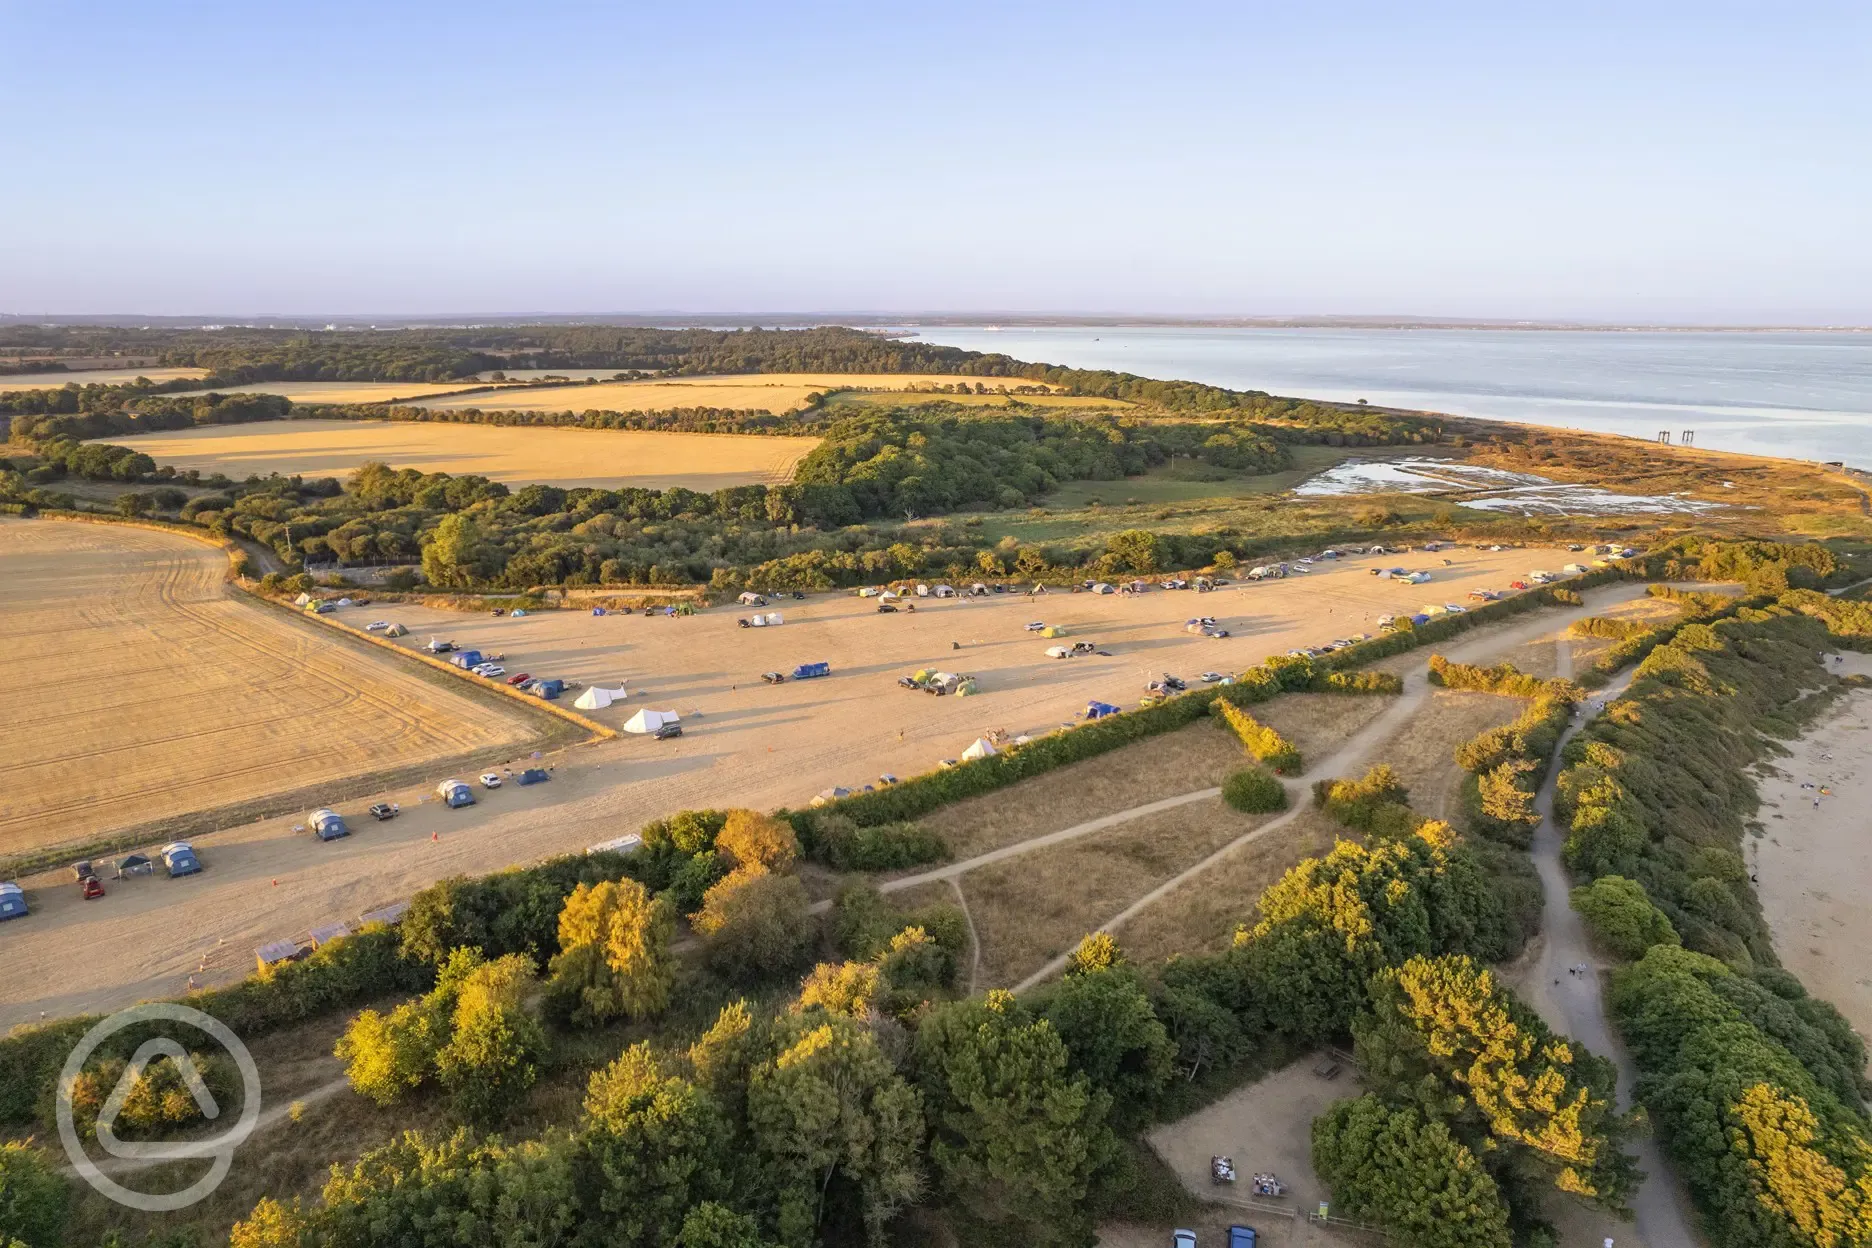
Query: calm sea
{"x": 1806, "y": 395}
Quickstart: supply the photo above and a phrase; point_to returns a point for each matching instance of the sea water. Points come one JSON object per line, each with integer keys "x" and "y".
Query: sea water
{"x": 1806, "y": 395}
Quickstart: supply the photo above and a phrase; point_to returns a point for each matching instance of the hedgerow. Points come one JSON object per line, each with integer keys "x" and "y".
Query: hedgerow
{"x": 1262, "y": 742}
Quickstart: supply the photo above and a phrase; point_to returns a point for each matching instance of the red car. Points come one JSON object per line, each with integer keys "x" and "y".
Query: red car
{"x": 517, "y": 681}
{"x": 91, "y": 888}
{"x": 1517, "y": 584}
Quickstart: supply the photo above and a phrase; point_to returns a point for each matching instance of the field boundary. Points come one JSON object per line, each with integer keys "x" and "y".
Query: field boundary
{"x": 199, "y": 823}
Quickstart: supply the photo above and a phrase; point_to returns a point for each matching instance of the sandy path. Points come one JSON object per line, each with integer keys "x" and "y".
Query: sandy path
{"x": 752, "y": 744}
{"x": 1354, "y": 756}
{"x": 1813, "y": 863}
{"x": 1573, "y": 1004}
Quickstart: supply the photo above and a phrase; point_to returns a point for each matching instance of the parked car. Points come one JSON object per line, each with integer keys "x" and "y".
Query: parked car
{"x": 490, "y": 780}
{"x": 492, "y": 671}
{"x": 83, "y": 870}
{"x": 1241, "y": 1236}
{"x": 1182, "y": 1239}
{"x": 376, "y": 626}
{"x": 383, "y": 811}
{"x": 774, "y": 678}
{"x": 521, "y": 679}
{"x": 667, "y": 731}
{"x": 92, "y": 888}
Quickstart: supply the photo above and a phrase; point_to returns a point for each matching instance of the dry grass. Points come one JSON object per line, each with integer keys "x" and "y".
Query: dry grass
{"x": 1201, "y": 916}
{"x": 1423, "y": 753}
{"x": 598, "y": 458}
{"x": 1319, "y": 723}
{"x": 134, "y": 687}
{"x": 1031, "y": 909}
{"x": 1655, "y": 612}
{"x": 342, "y": 391}
{"x": 1197, "y": 757}
{"x": 95, "y": 377}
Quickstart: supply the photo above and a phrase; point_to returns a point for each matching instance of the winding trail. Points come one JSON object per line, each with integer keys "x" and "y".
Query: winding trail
{"x": 1349, "y": 758}
{"x": 1575, "y": 1004}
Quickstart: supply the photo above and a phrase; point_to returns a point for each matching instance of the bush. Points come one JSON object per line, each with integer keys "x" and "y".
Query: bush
{"x": 34, "y": 1196}
{"x": 844, "y": 846}
{"x": 1254, "y": 792}
{"x": 755, "y": 925}
{"x": 1262, "y": 743}
{"x": 1621, "y": 917}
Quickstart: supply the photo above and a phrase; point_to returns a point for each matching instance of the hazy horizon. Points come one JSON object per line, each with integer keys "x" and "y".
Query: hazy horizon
{"x": 1667, "y": 165}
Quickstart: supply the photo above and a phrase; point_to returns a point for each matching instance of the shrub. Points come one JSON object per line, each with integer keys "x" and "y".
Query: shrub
{"x": 1621, "y": 917}
{"x": 755, "y": 925}
{"x": 1254, "y": 792}
{"x": 34, "y": 1197}
{"x": 844, "y": 846}
{"x": 1262, "y": 743}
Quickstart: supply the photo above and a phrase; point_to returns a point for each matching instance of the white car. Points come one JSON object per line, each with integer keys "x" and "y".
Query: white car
{"x": 1036, "y": 626}
{"x": 376, "y": 626}
{"x": 490, "y": 780}
{"x": 489, "y": 670}
{"x": 1455, "y": 608}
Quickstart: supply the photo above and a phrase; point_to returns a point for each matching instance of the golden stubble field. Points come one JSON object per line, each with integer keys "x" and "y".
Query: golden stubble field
{"x": 135, "y": 688}
{"x": 515, "y": 455}
{"x": 95, "y": 377}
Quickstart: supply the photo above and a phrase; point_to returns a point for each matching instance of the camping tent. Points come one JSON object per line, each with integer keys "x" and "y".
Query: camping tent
{"x": 945, "y": 591}
{"x": 831, "y": 795}
{"x": 12, "y": 901}
{"x": 396, "y": 630}
{"x": 767, "y": 620}
{"x": 648, "y": 721}
{"x": 596, "y": 698}
{"x": 983, "y": 748}
{"x": 629, "y": 843}
{"x": 1058, "y": 652}
{"x": 303, "y": 600}
{"x": 1099, "y": 710}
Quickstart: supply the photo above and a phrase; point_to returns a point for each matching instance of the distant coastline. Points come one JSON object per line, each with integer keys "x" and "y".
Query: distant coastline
{"x": 906, "y": 322}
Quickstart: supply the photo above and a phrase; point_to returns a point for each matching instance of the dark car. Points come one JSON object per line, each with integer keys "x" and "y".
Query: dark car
{"x": 385, "y": 810}
{"x": 667, "y": 731}
{"x": 1242, "y": 1237}
{"x": 82, "y": 871}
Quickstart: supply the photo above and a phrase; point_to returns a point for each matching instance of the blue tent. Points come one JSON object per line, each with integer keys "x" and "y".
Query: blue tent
{"x": 1420, "y": 619}
{"x": 180, "y": 859}
{"x": 12, "y": 902}
{"x": 1099, "y": 710}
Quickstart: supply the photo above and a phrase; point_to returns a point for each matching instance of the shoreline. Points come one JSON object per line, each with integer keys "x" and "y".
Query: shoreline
{"x": 1812, "y": 859}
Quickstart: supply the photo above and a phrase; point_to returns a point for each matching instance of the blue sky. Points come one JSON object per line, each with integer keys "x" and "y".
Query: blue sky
{"x": 1695, "y": 162}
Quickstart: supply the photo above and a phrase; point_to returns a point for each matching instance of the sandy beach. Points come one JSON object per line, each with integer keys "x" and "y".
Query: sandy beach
{"x": 1813, "y": 860}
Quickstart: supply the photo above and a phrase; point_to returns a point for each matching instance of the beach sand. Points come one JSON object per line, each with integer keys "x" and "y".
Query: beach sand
{"x": 1815, "y": 863}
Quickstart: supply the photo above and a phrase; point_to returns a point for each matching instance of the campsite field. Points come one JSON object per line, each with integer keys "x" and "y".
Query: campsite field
{"x": 134, "y": 688}
{"x": 743, "y": 743}
{"x": 764, "y": 392}
{"x": 94, "y": 377}
{"x": 598, "y": 458}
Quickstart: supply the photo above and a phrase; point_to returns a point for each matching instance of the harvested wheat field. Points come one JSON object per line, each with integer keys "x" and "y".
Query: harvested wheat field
{"x": 341, "y": 391}
{"x": 1031, "y": 909}
{"x": 95, "y": 377}
{"x": 917, "y": 398}
{"x": 595, "y": 458}
{"x": 760, "y": 392}
{"x": 135, "y": 688}
{"x": 1319, "y": 723}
